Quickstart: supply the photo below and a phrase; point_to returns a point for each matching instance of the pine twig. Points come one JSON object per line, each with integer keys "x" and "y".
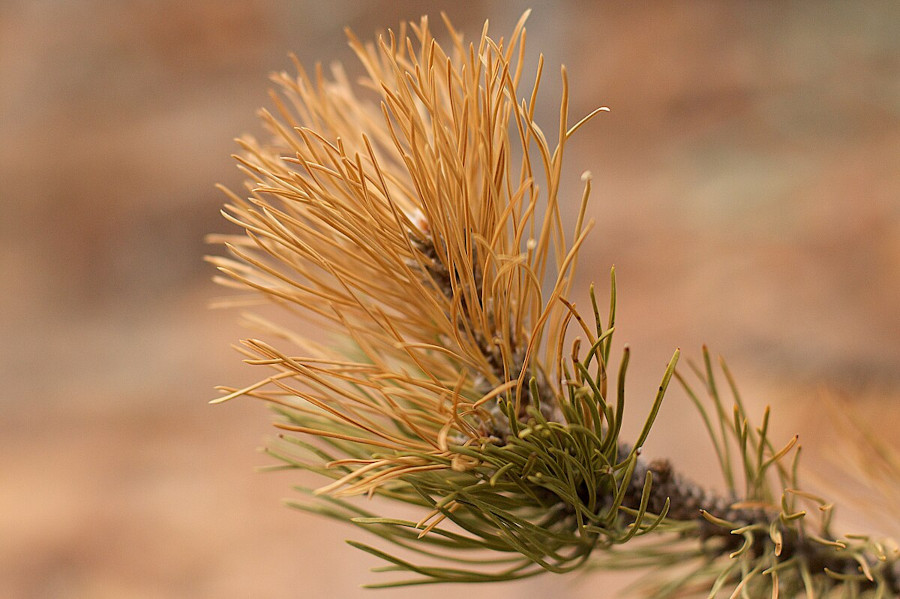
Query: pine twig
{"x": 417, "y": 218}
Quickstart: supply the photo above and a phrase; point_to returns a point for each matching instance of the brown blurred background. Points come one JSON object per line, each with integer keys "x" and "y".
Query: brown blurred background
{"x": 747, "y": 189}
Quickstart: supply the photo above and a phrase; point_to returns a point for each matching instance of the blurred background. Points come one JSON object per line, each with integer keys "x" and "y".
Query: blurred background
{"x": 747, "y": 188}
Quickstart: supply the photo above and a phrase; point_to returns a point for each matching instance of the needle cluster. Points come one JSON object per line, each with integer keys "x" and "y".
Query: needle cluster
{"x": 415, "y": 217}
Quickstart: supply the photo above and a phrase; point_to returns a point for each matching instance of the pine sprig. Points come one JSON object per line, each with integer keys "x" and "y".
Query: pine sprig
{"x": 417, "y": 218}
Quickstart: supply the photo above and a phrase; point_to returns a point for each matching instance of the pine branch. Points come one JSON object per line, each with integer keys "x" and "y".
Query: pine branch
{"x": 461, "y": 380}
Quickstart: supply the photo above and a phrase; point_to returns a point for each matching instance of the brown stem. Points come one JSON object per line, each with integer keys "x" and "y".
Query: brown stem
{"x": 687, "y": 499}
